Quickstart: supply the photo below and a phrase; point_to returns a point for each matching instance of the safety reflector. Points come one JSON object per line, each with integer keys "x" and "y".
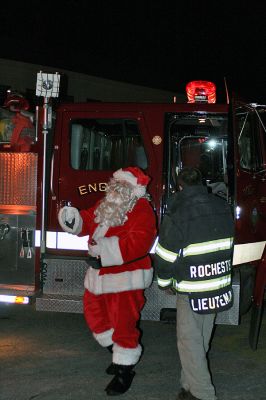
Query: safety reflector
{"x": 14, "y": 299}
{"x": 62, "y": 241}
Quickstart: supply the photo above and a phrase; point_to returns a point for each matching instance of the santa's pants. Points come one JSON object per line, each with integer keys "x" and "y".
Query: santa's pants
{"x": 113, "y": 319}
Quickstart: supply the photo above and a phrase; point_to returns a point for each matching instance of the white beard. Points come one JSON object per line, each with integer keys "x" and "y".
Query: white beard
{"x": 118, "y": 201}
{"x": 113, "y": 198}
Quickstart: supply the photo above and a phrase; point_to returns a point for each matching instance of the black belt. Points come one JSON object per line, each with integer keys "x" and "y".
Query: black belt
{"x": 94, "y": 262}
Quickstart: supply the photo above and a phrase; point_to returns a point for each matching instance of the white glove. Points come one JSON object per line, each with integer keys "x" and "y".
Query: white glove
{"x": 94, "y": 250}
{"x": 70, "y": 220}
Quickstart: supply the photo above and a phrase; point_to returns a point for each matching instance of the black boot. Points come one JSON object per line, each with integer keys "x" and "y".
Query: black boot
{"x": 186, "y": 395}
{"x": 112, "y": 369}
{"x": 122, "y": 380}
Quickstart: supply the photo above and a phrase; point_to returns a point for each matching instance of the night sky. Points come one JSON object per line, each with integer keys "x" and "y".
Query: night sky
{"x": 161, "y": 44}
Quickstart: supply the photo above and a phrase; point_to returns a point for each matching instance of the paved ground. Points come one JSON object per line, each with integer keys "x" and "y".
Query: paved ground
{"x": 52, "y": 356}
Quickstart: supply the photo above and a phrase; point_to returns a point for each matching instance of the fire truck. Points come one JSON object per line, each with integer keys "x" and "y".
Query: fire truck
{"x": 65, "y": 155}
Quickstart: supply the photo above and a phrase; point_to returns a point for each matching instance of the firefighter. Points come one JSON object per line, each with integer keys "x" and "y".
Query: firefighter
{"x": 122, "y": 230}
{"x": 193, "y": 260}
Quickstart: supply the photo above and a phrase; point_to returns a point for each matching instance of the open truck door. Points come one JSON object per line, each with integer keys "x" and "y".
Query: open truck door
{"x": 250, "y": 208}
{"x": 199, "y": 137}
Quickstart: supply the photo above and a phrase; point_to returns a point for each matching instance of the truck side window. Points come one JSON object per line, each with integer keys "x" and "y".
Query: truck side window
{"x": 249, "y": 142}
{"x": 106, "y": 144}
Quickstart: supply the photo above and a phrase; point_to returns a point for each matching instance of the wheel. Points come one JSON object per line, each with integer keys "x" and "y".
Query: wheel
{"x": 247, "y": 282}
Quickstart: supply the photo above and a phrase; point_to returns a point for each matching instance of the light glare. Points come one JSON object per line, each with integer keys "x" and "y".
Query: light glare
{"x": 14, "y": 299}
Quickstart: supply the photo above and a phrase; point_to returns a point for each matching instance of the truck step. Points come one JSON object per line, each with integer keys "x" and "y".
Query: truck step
{"x": 60, "y": 303}
{"x": 60, "y": 295}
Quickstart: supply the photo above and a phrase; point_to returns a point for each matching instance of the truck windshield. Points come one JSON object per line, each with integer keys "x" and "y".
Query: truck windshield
{"x": 199, "y": 140}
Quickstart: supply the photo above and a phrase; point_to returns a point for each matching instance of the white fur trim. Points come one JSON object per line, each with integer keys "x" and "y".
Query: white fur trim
{"x": 110, "y": 251}
{"x": 104, "y": 338}
{"x": 121, "y": 175}
{"x": 115, "y": 283}
{"x": 139, "y": 191}
{"x": 100, "y": 231}
{"x": 126, "y": 356}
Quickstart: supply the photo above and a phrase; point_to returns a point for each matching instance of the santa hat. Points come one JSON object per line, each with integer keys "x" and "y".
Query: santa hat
{"x": 136, "y": 177}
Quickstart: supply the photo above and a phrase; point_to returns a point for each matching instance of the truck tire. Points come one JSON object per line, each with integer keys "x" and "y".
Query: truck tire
{"x": 247, "y": 282}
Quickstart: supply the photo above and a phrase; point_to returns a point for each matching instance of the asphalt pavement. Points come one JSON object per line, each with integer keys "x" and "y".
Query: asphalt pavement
{"x": 52, "y": 356}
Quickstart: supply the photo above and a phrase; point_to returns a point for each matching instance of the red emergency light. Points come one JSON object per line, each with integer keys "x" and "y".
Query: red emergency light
{"x": 201, "y": 92}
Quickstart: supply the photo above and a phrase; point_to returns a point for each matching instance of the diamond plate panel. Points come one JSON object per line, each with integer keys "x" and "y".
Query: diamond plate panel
{"x": 231, "y": 316}
{"x": 18, "y": 178}
{"x": 156, "y": 299}
{"x": 66, "y": 304}
{"x": 65, "y": 276}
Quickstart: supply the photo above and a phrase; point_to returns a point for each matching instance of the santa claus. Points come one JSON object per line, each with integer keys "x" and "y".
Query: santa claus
{"x": 121, "y": 229}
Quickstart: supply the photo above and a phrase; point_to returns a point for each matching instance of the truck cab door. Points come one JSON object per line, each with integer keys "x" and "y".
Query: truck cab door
{"x": 250, "y": 172}
{"x": 259, "y": 215}
{"x": 90, "y": 147}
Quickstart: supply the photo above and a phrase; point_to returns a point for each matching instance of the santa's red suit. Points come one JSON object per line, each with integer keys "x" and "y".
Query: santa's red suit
{"x": 114, "y": 294}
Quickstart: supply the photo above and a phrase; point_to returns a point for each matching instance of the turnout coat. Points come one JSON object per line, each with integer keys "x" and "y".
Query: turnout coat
{"x": 194, "y": 251}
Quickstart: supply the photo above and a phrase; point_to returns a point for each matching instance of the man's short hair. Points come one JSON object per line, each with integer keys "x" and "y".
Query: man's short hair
{"x": 189, "y": 176}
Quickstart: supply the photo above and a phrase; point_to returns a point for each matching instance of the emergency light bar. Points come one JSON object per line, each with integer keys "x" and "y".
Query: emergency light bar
{"x": 201, "y": 92}
{"x": 14, "y": 299}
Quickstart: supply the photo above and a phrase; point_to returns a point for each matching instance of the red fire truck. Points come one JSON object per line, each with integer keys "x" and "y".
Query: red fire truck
{"x": 66, "y": 157}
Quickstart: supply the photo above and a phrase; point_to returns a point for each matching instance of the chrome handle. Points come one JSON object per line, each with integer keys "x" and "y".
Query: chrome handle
{"x": 52, "y": 177}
